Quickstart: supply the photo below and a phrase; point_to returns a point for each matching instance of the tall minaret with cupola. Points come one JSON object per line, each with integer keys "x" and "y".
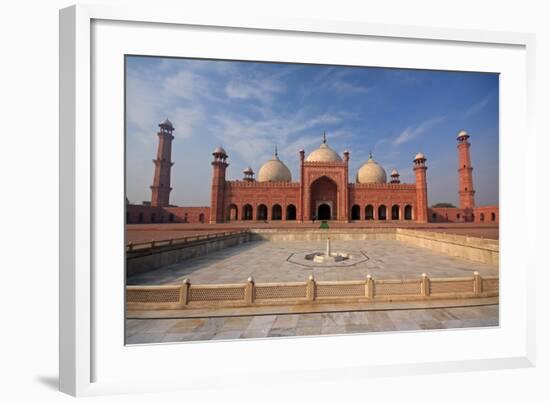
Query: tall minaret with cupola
{"x": 219, "y": 165}
{"x": 421, "y": 188}
{"x": 160, "y": 190}
{"x": 465, "y": 178}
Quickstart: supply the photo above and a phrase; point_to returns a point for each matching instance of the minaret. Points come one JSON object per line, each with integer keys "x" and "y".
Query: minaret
{"x": 219, "y": 165}
{"x": 421, "y": 188}
{"x": 345, "y": 185}
{"x": 465, "y": 179}
{"x": 301, "y": 207}
{"x": 163, "y": 164}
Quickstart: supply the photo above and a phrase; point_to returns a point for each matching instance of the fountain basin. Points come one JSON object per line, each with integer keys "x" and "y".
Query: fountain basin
{"x": 319, "y": 257}
{"x": 327, "y": 258}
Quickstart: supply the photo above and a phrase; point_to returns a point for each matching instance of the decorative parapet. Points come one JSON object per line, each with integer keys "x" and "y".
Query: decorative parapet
{"x": 189, "y": 296}
{"x": 351, "y": 185}
{"x": 387, "y": 187}
{"x": 324, "y": 164}
{"x": 258, "y": 184}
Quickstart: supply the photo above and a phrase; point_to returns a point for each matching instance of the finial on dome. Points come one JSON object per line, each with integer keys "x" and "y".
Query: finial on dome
{"x": 276, "y": 153}
{"x": 370, "y": 154}
{"x": 325, "y": 137}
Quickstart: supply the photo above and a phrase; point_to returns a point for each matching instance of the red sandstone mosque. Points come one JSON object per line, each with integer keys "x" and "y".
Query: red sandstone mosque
{"x": 321, "y": 193}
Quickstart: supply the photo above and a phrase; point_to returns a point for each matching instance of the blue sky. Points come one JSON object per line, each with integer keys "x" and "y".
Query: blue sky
{"x": 249, "y": 108}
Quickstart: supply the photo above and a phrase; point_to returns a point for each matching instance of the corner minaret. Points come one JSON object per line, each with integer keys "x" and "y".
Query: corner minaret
{"x": 346, "y": 186}
{"x": 160, "y": 189}
{"x": 301, "y": 206}
{"x": 219, "y": 165}
{"x": 421, "y": 188}
{"x": 465, "y": 179}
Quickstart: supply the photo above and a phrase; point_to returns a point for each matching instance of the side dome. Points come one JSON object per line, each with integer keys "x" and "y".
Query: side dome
{"x": 371, "y": 173}
{"x": 324, "y": 154}
{"x": 274, "y": 170}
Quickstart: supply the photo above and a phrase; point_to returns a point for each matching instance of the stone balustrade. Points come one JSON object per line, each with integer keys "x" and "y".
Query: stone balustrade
{"x": 189, "y": 296}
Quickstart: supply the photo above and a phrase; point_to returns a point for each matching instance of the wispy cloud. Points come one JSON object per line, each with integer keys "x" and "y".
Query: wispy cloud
{"x": 477, "y": 107}
{"x": 185, "y": 84}
{"x": 263, "y": 90}
{"x": 340, "y": 81}
{"x": 412, "y": 132}
{"x": 343, "y": 86}
{"x": 251, "y": 138}
{"x": 187, "y": 121}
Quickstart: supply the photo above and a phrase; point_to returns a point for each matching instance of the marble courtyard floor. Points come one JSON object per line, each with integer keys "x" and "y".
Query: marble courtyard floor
{"x": 142, "y": 331}
{"x": 266, "y": 261}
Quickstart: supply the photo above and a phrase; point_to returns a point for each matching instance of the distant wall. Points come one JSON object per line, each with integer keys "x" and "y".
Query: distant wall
{"x": 481, "y": 215}
{"x": 143, "y": 214}
{"x": 320, "y": 235}
{"x": 445, "y": 214}
{"x": 486, "y": 214}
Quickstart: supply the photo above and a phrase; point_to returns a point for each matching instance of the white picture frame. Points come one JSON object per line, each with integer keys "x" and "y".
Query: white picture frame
{"x": 93, "y": 362}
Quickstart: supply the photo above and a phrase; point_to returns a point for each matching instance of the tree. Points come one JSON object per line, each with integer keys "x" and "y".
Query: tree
{"x": 443, "y": 204}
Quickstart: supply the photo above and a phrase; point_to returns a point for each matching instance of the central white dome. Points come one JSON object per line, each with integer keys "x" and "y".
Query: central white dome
{"x": 274, "y": 170}
{"x": 371, "y": 173}
{"x": 323, "y": 154}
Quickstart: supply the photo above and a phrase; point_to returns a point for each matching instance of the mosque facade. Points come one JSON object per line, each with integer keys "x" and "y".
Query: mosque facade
{"x": 321, "y": 192}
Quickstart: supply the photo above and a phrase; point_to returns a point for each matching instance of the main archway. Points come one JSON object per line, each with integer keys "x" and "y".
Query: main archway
{"x": 324, "y": 199}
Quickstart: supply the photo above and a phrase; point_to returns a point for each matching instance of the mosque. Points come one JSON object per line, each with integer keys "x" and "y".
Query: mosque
{"x": 322, "y": 191}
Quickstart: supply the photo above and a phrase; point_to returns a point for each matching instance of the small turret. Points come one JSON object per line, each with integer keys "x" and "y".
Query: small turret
{"x": 248, "y": 174}
{"x": 395, "y": 177}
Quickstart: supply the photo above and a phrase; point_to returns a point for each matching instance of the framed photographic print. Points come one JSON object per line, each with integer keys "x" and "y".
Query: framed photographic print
{"x": 261, "y": 198}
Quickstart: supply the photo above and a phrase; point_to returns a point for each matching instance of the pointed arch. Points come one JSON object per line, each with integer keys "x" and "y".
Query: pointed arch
{"x": 355, "y": 212}
{"x": 369, "y": 212}
{"x": 261, "y": 212}
{"x": 408, "y": 212}
{"x": 395, "y": 212}
{"x": 291, "y": 212}
{"x": 382, "y": 210}
{"x": 247, "y": 212}
{"x": 233, "y": 212}
{"x": 276, "y": 212}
